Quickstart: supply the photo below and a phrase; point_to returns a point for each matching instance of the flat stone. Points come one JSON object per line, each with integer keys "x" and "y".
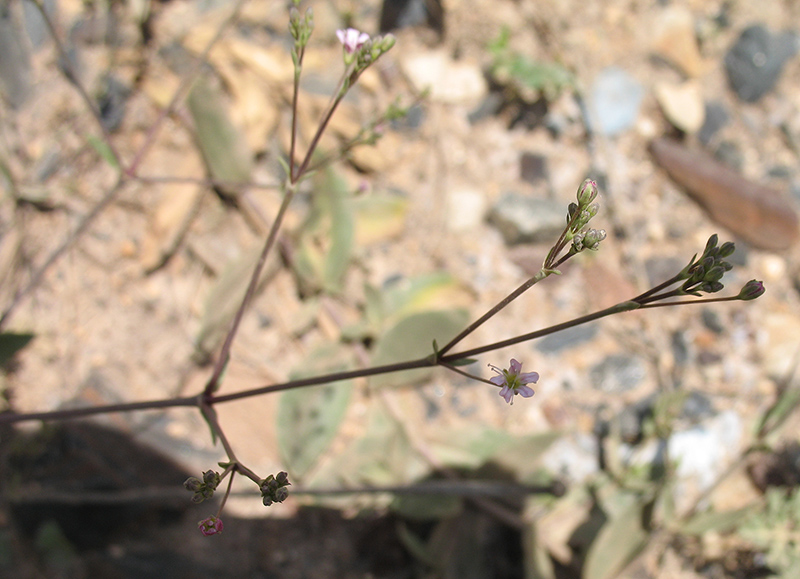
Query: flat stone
{"x": 523, "y": 219}
{"x": 758, "y": 214}
{"x": 676, "y": 41}
{"x": 465, "y": 209}
{"x": 616, "y": 97}
{"x": 449, "y": 81}
{"x": 682, "y": 104}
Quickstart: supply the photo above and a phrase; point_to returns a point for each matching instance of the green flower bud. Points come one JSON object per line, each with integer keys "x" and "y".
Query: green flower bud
{"x": 727, "y": 249}
{"x": 587, "y": 192}
{"x": 711, "y": 243}
{"x": 751, "y": 290}
{"x": 388, "y": 42}
{"x": 192, "y": 484}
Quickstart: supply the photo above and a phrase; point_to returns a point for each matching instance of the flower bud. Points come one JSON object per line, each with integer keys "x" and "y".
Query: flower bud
{"x": 192, "y": 484}
{"x": 281, "y": 494}
{"x": 283, "y": 478}
{"x": 751, "y": 290}
{"x": 587, "y": 192}
{"x": 593, "y": 238}
{"x": 727, "y": 249}
{"x": 388, "y": 42}
{"x": 711, "y": 243}
{"x": 211, "y": 478}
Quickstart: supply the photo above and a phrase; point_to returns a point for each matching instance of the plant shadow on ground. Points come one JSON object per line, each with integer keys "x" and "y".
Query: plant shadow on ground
{"x": 82, "y": 501}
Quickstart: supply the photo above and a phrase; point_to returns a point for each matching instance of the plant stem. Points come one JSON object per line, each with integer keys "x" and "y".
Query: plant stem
{"x": 616, "y": 309}
{"x": 543, "y": 273}
{"x": 213, "y": 382}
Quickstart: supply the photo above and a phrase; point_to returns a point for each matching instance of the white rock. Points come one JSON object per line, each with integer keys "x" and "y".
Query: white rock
{"x": 682, "y": 105}
{"x": 465, "y": 209}
{"x": 448, "y": 81}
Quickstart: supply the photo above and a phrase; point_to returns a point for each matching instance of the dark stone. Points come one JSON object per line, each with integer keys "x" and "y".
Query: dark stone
{"x": 533, "y": 168}
{"x": 697, "y": 406}
{"x": 404, "y": 13}
{"x": 111, "y": 103}
{"x": 755, "y": 62}
{"x": 680, "y": 348}
{"x": 489, "y": 107}
{"x": 728, "y": 153}
{"x": 711, "y": 320}
{"x": 716, "y": 118}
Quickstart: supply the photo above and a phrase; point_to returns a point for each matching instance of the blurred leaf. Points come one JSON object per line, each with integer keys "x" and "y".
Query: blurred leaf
{"x": 382, "y": 456}
{"x": 468, "y": 447}
{"x": 538, "y": 564}
{"x": 326, "y": 238}
{"x": 379, "y": 217}
{"x": 309, "y": 418}
{"x": 226, "y": 296}
{"x": 619, "y": 540}
{"x": 54, "y": 548}
{"x": 411, "y": 338}
{"x": 722, "y": 521}
{"x": 10, "y": 344}
{"x": 222, "y": 144}
{"x": 436, "y": 291}
{"x": 521, "y": 455}
{"x": 102, "y": 149}
{"x": 777, "y": 414}
{"x": 530, "y": 79}
{"x": 420, "y": 507}
{"x": 415, "y": 546}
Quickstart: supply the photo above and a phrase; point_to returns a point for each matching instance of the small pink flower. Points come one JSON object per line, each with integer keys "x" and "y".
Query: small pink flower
{"x": 210, "y": 526}
{"x": 352, "y": 39}
{"x": 513, "y": 382}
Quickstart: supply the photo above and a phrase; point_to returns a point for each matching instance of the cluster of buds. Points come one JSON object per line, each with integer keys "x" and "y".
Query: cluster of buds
{"x": 578, "y": 216}
{"x": 362, "y": 50}
{"x": 300, "y": 27}
{"x": 273, "y": 489}
{"x": 202, "y": 489}
{"x": 703, "y": 275}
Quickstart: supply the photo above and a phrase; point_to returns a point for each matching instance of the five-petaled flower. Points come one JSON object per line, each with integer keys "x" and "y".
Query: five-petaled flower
{"x": 513, "y": 382}
{"x": 210, "y": 526}
{"x": 352, "y": 39}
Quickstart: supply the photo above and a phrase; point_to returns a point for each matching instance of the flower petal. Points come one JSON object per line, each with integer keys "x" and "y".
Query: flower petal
{"x": 498, "y": 380}
{"x": 507, "y": 393}
{"x": 529, "y": 377}
{"x": 525, "y": 391}
{"x": 515, "y": 366}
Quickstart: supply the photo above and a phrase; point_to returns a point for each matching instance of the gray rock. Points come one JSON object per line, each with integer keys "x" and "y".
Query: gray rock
{"x": 15, "y": 65}
{"x": 618, "y": 373}
{"x": 522, "y": 219}
{"x": 716, "y": 118}
{"x": 755, "y": 62}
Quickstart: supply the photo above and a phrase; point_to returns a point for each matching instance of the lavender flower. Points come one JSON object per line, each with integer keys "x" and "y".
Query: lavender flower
{"x": 513, "y": 382}
{"x": 352, "y": 39}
